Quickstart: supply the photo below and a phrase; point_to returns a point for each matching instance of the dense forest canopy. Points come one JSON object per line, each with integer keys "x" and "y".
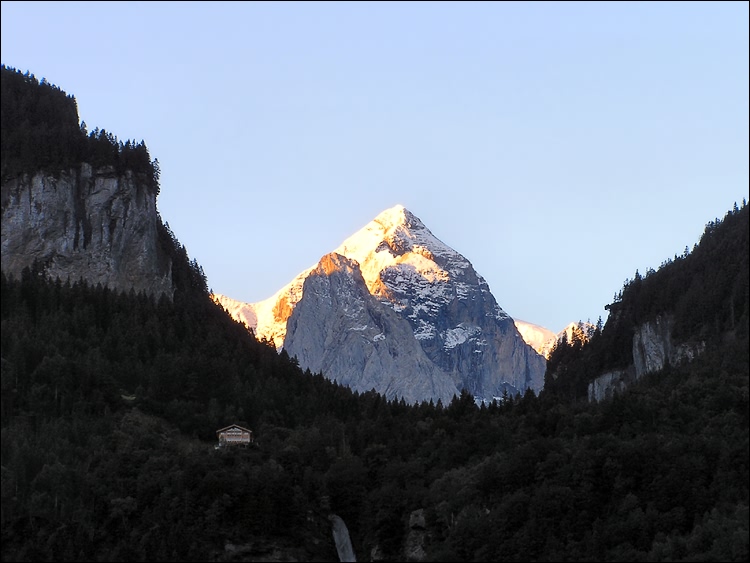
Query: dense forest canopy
{"x": 40, "y": 132}
{"x": 110, "y": 403}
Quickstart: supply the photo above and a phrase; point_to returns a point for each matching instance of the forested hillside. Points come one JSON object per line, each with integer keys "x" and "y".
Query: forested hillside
{"x": 705, "y": 291}
{"x": 110, "y": 403}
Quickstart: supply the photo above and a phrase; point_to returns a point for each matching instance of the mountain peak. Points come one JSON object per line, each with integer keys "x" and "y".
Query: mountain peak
{"x": 394, "y": 290}
{"x": 398, "y": 216}
{"x": 398, "y": 237}
{"x": 333, "y": 262}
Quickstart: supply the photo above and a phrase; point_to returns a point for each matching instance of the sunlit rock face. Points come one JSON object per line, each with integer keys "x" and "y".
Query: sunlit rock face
{"x": 453, "y": 315}
{"x": 538, "y": 337}
{"x": 438, "y": 318}
{"x": 85, "y": 223}
{"x": 338, "y": 328}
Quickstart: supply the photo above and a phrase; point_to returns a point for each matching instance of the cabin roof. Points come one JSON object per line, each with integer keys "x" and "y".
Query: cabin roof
{"x": 233, "y": 426}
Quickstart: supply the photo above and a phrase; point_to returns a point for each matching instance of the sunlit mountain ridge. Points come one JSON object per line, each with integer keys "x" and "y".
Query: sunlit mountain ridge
{"x": 468, "y": 340}
{"x": 543, "y": 339}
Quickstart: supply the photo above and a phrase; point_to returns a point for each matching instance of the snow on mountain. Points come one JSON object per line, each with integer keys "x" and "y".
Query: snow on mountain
{"x": 408, "y": 267}
{"x": 339, "y": 329}
{"x": 398, "y": 239}
{"x": 267, "y": 318}
{"x": 538, "y": 337}
{"x": 396, "y": 244}
{"x": 452, "y": 314}
{"x": 242, "y": 312}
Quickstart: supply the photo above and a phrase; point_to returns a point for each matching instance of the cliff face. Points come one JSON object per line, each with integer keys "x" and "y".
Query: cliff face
{"x": 608, "y": 384}
{"x": 86, "y": 223}
{"x": 653, "y": 349}
{"x": 453, "y": 315}
{"x": 339, "y": 329}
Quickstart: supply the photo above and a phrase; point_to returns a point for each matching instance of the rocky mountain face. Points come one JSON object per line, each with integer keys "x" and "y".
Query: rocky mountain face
{"x": 85, "y": 223}
{"x": 339, "y": 328}
{"x": 653, "y": 349}
{"x": 395, "y": 309}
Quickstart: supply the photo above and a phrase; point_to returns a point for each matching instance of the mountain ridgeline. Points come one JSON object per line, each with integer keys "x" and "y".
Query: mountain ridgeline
{"x": 396, "y": 310}
{"x": 111, "y": 397}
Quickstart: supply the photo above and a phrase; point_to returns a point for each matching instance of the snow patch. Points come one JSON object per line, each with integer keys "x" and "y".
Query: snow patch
{"x": 425, "y": 330}
{"x": 455, "y": 336}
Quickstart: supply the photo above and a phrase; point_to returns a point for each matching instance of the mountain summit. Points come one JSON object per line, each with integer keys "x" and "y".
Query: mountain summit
{"x": 395, "y": 309}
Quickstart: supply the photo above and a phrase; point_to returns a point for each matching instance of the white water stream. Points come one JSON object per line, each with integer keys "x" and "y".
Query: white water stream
{"x": 341, "y": 537}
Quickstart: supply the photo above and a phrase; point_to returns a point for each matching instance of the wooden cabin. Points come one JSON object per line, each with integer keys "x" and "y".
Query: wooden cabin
{"x": 234, "y": 435}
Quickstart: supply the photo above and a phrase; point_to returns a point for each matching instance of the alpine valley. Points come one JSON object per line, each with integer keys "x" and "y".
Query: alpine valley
{"x": 360, "y": 435}
{"x": 396, "y": 310}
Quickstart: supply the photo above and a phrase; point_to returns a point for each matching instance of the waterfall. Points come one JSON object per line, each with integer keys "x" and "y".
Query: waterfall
{"x": 341, "y": 537}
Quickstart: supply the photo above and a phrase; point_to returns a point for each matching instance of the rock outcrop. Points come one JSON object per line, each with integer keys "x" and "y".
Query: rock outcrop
{"x": 608, "y": 384}
{"x": 653, "y": 349}
{"x": 85, "y": 223}
{"x": 341, "y": 330}
{"x": 416, "y": 537}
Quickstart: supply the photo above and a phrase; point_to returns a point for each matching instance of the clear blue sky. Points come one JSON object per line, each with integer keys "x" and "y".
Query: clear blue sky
{"x": 558, "y": 146}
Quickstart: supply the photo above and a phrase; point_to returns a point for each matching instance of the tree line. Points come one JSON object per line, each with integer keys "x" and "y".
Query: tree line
{"x": 40, "y": 132}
